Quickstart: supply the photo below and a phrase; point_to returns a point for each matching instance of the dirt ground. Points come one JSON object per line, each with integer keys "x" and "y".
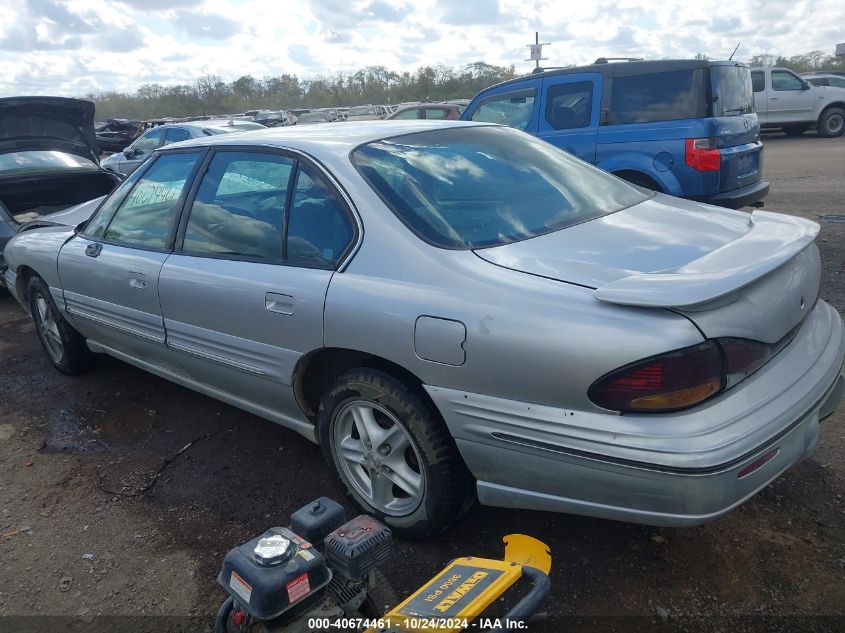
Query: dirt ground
{"x": 120, "y": 493}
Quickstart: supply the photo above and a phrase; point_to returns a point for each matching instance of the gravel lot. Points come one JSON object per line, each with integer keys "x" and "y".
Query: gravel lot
{"x": 104, "y": 514}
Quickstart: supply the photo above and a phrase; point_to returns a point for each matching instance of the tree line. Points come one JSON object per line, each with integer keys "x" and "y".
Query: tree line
{"x": 374, "y": 84}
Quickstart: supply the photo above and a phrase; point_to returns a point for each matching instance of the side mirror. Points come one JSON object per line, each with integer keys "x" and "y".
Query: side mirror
{"x": 128, "y": 152}
{"x": 806, "y": 86}
{"x": 80, "y": 227}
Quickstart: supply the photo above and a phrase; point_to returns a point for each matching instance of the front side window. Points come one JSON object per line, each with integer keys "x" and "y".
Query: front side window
{"x": 569, "y": 105}
{"x": 146, "y": 215}
{"x": 96, "y": 226}
{"x": 465, "y": 188}
{"x": 838, "y": 82}
{"x": 149, "y": 141}
{"x": 408, "y": 114}
{"x": 785, "y": 80}
{"x": 239, "y": 208}
{"x": 664, "y": 96}
{"x": 319, "y": 230}
{"x": 758, "y": 81}
{"x": 512, "y": 109}
{"x": 435, "y": 113}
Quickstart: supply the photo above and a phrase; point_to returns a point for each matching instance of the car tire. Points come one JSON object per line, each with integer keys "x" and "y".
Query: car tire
{"x": 795, "y": 130}
{"x": 831, "y": 123}
{"x": 375, "y": 431}
{"x": 65, "y": 347}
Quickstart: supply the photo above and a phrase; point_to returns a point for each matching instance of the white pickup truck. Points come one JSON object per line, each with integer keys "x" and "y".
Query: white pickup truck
{"x": 785, "y": 100}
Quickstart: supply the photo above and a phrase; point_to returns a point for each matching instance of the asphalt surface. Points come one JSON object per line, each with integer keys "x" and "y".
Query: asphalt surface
{"x": 120, "y": 493}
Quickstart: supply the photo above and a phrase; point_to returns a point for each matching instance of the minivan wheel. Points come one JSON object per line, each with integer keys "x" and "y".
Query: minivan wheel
{"x": 831, "y": 123}
{"x": 65, "y": 346}
{"x": 392, "y": 453}
{"x": 795, "y": 130}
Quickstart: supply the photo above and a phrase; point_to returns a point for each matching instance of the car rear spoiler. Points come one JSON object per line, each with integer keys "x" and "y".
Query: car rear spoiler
{"x": 771, "y": 241}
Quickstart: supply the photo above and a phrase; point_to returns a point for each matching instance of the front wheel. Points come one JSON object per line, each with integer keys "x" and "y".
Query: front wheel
{"x": 831, "y": 123}
{"x": 393, "y": 453}
{"x": 65, "y": 346}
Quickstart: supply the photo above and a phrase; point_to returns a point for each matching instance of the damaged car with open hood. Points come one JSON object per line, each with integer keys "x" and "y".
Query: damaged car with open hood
{"x": 49, "y": 161}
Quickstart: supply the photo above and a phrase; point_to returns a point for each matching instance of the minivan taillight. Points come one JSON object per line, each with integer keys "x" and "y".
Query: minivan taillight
{"x": 682, "y": 378}
{"x": 702, "y": 154}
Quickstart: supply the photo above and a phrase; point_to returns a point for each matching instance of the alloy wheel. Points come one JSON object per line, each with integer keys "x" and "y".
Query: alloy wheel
{"x": 48, "y": 329}
{"x": 378, "y": 457}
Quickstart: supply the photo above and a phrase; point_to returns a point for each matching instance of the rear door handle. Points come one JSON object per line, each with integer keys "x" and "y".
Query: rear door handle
{"x": 137, "y": 280}
{"x": 279, "y": 303}
{"x": 93, "y": 249}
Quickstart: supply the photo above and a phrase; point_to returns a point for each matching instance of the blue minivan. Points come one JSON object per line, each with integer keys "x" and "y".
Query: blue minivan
{"x": 683, "y": 127}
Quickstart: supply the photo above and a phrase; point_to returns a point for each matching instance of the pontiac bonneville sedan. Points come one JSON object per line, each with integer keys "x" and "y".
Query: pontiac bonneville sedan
{"x": 455, "y": 310}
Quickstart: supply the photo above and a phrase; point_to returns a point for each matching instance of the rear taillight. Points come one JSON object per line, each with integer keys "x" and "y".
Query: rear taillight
{"x": 668, "y": 382}
{"x": 702, "y": 154}
{"x": 682, "y": 378}
{"x": 743, "y": 357}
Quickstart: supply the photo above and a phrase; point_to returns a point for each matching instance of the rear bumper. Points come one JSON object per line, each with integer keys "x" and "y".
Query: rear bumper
{"x": 742, "y": 197}
{"x": 674, "y": 470}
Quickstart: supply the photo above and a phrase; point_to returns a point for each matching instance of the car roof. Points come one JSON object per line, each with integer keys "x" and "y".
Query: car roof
{"x": 319, "y": 140}
{"x": 620, "y": 69}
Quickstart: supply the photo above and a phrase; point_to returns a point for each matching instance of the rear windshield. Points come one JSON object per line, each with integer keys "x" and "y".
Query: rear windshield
{"x": 731, "y": 87}
{"x": 472, "y": 187}
{"x": 663, "y": 96}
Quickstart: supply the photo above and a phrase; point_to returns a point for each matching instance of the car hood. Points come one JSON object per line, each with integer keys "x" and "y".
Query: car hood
{"x": 48, "y": 124}
{"x": 68, "y": 217}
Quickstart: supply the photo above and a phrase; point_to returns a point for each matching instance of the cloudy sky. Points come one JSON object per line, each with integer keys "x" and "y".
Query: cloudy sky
{"x": 74, "y": 47}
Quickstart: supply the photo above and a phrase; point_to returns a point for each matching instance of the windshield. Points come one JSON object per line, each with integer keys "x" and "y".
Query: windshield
{"x": 472, "y": 187}
{"x": 732, "y": 93}
{"x": 42, "y": 161}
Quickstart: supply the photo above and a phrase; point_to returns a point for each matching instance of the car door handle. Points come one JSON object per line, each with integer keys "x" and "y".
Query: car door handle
{"x": 93, "y": 249}
{"x": 773, "y": 98}
{"x": 279, "y": 303}
{"x": 137, "y": 280}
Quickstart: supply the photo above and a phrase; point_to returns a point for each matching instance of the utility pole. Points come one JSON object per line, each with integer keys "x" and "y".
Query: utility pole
{"x": 537, "y": 50}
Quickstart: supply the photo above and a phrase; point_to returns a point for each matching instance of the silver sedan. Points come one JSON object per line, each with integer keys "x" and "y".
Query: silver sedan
{"x": 455, "y": 310}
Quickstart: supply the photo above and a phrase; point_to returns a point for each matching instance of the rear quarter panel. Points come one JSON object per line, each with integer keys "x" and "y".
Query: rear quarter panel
{"x": 528, "y": 338}
{"x": 38, "y": 250}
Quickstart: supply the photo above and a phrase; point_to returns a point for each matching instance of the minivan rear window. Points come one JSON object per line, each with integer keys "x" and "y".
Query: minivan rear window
{"x": 731, "y": 90}
{"x": 663, "y": 96}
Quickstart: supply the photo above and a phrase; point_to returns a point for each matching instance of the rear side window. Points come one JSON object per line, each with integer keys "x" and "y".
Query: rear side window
{"x": 758, "y": 81}
{"x": 174, "y": 135}
{"x": 665, "y": 96}
{"x": 319, "y": 229}
{"x": 512, "y": 109}
{"x": 569, "y": 105}
{"x": 784, "y": 80}
{"x": 239, "y": 209}
{"x": 146, "y": 215}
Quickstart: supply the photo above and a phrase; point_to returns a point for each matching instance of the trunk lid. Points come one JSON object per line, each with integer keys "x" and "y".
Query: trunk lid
{"x": 734, "y": 274}
{"x": 48, "y": 124}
